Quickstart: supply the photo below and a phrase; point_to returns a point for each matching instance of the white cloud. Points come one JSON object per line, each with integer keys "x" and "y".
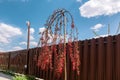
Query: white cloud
{"x": 1, "y": 50}
{"x": 79, "y": 0}
{"x": 41, "y": 30}
{"x": 17, "y": 48}
{"x": 7, "y": 32}
{"x": 94, "y": 8}
{"x": 3, "y": 39}
{"x": 97, "y": 27}
{"x": 32, "y": 37}
{"x": 23, "y": 43}
{"x": 32, "y": 30}
{"x": 101, "y": 36}
{"x": 33, "y": 43}
{"x": 12, "y": 49}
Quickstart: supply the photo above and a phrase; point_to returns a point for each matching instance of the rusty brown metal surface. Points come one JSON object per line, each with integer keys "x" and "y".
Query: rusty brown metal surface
{"x": 109, "y": 59}
{"x": 85, "y": 61}
{"x": 100, "y": 60}
{"x": 117, "y": 60}
{"x": 92, "y": 60}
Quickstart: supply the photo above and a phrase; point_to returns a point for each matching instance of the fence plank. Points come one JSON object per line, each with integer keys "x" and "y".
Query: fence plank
{"x": 81, "y": 57}
{"x": 117, "y": 61}
{"x": 92, "y": 60}
{"x": 85, "y": 60}
{"x": 109, "y": 59}
{"x": 9, "y": 60}
{"x": 68, "y": 65}
{"x": 101, "y": 59}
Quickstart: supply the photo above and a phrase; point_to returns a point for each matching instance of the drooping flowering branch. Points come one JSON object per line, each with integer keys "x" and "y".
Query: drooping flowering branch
{"x": 73, "y": 50}
{"x": 53, "y": 41}
{"x": 45, "y": 57}
{"x": 60, "y": 59}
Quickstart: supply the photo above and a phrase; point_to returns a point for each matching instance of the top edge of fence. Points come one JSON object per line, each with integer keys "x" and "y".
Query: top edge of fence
{"x": 78, "y": 40}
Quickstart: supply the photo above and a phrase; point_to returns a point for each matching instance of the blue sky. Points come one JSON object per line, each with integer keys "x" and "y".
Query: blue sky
{"x": 88, "y": 15}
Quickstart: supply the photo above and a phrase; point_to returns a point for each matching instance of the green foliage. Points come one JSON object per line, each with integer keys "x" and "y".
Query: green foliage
{"x": 23, "y": 77}
{"x": 8, "y": 73}
{"x": 20, "y": 78}
{"x": 30, "y": 77}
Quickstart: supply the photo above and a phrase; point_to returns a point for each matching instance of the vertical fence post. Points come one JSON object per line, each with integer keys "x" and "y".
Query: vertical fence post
{"x": 92, "y": 59}
{"x": 9, "y": 55}
{"x": 101, "y": 59}
{"x": 117, "y": 60}
{"x": 28, "y": 42}
{"x": 85, "y": 60}
{"x": 81, "y": 59}
{"x": 109, "y": 58}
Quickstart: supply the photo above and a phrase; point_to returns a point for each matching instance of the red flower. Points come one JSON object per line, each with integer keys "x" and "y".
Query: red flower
{"x": 72, "y": 25}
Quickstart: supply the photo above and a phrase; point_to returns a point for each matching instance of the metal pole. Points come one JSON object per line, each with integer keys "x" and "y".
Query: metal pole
{"x": 65, "y": 47}
{"x": 28, "y": 40}
{"x": 118, "y": 29}
{"x": 28, "y": 43}
{"x": 108, "y": 29}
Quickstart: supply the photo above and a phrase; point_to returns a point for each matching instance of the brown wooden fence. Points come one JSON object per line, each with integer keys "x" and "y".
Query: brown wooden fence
{"x": 100, "y": 60}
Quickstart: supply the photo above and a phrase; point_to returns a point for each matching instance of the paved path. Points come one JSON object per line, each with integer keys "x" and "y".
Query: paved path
{"x": 5, "y": 77}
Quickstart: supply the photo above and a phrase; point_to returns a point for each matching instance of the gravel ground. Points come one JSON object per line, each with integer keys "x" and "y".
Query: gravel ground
{"x": 5, "y": 77}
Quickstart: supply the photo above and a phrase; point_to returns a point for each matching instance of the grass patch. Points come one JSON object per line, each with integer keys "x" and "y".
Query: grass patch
{"x": 8, "y": 73}
{"x": 23, "y": 77}
{"x": 17, "y": 76}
